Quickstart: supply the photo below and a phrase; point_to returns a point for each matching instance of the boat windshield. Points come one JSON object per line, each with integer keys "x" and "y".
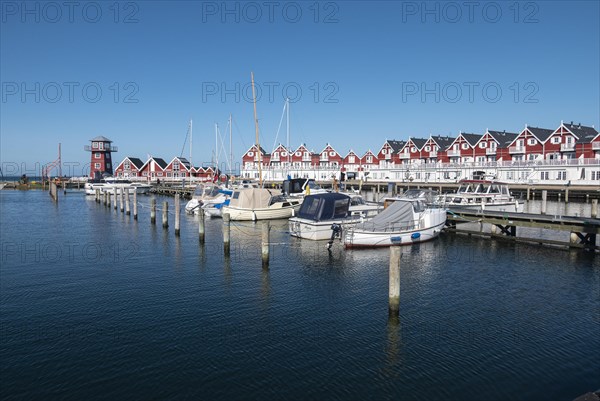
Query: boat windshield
{"x": 357, "y": 200}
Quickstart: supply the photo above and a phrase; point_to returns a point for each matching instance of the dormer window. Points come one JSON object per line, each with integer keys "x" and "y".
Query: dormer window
{"x": 555, "y": 140}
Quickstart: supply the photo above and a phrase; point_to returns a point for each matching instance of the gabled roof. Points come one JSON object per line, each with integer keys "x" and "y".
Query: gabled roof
{"x": 472, "y": 139}
{"x": 503, "y": 138}
{"x": 396, "y": 145}
{"x": 418, "y": 142}
{"x": 183, "y": 161}
{"x": 329, "y": 146}
{"x": 584, "y": 134}
{"x": 161, "y": 163}
{"x": 443, "y": 141}
{"x": 542, "y": 134}
{"x": 282, "y": 147}
{"x": 138, "y": 163}
{"x": 100, "y": 138}
{"x": 261, "y": 150}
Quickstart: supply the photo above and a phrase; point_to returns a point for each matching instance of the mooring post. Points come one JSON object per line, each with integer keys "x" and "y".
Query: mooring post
{"x": 394, "y": 281}
{"x": 544, "y": 198}
{"x": 226, "y": 237}
{"x": 105, "y": 198}
{"x": 153, "y": 211}
{"x": 165, "y": 215}
{"x": 115, "y": 198}
{"x": 567, "y": 195}
{"x": 528, "y": 193}
{"x": 122, "y": 199}
{"x": 201, "y": 226}
{"x": 594, "y": 208}
{"x": 135, "y": 205}
{"x": 97, "y": 195}
{"x": 127, "y": 208}
{"x": 177, "y": 214}
{"x": 64, "y": 185}
{"x": 265, "y": 244}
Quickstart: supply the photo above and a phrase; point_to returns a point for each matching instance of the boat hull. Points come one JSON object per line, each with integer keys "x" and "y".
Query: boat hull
{"x": 272, "y": 213}
{"x": 513, "y": 207}
{"x": 373, "y": 239}
{"x": 317, "y": 230}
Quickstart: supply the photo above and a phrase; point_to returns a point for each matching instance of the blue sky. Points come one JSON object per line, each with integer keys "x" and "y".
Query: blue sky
{"x": 367, "y": 71}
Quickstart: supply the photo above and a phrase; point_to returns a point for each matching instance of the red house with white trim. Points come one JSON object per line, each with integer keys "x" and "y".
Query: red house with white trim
{"x": 302, "y": 157}
{"x": 574, "y": 141}
{"x": 530, "y": 144}
{"x": 252, "y": 156}
{"x": 434, "y": 149}
{"x": 351, "y": 162}
{"x": 281, "y": 156}
{"x": 462, "y": 149}
{"x": 388, "y": 153}
{"x": 130, "y": 167}
{"x": 329, "y": 157}
{"x": 493, "y": 145}
{"x": 179, "y": 167}
{"x": 411, "y": 151}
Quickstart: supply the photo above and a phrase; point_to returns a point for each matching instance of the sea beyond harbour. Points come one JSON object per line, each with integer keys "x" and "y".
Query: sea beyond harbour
{"x": 97, "y": 305}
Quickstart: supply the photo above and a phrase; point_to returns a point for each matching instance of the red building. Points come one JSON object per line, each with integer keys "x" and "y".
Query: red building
{"x": 575, "y": 141}
{"x": 252, "y": 156}
{"x": 434, "y": 149}
{"x": 388, "y": 154}
{"x": 462, "y": 149}
{"x": 101, "y": 159}
{"x": 411, "y": 151}
{"x": 179, "y": 167}
{"x": 153, "y": 169}
{"x": 329, "y": 157}
{"x": 302, "y": 157}
{"x": 493, "y": 145}
{"x": 530, "y": 144}
{"x": 129, "y": 167}
{"x": 281, "y": 156}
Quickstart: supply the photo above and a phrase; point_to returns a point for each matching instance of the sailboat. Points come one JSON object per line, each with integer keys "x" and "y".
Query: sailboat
{"x": 260, "y": 203}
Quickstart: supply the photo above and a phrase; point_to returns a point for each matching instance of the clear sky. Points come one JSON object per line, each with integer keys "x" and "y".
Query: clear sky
{"x": 357, "y": 73}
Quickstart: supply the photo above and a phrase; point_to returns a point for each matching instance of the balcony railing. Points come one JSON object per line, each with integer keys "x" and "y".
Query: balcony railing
{"x": 516, "y": 149}
{"x": 388, "y": 156}
{"x": 567, "y": 147}
{"x": 490, "y": 151}
{"x": 453, "y": 153}
{"x": 596, "y": 145}
{"x": 88, "y": 148}
{"x": 306, "y": 158}
{"x": 432, "y": 155}
{"x": 404, "y": 155}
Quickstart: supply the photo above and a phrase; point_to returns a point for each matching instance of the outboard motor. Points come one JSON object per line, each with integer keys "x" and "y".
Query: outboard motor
{"x": 336, "y": 232}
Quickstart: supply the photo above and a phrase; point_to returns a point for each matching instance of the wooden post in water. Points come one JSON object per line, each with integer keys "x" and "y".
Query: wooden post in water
{"x": 226, "y": 237}
{"x": 53, "y": 191}
{"x": 105, "y": 198}
{"x": 567, "y": 195}
{"x": 64, "y": 185}
{"x": 544, "y": 198}
{"x": 135, "y": 205}
{"x": 528, "y": 193}
{"x": 201, "y": 226}
{"x": 127, "y": 209}
{"x": 122, "y": 200}
{"x": 153, "y": 211}
{"x": 165, "y": 215}
{"x": 394, "y": 281}
{"x": 115, "y": 197}
{"x": 265, "y": 244}
{"x": 177, "y": 214}
{"x": 594, "y": 208}
{"x": 97, "y": 195}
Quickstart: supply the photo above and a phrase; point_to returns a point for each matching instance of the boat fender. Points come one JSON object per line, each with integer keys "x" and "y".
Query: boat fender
{"x": 415, "y": 235}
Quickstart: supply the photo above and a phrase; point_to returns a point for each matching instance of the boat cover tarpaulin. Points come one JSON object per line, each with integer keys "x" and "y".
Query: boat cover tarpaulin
{"x": 321, "y": 207}
{"x": 398, "y": 214}
{"x": 253, "y": 198}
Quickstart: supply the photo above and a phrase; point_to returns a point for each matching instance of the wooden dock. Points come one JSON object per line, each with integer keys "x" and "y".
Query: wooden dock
{"x": 584, "y": 230}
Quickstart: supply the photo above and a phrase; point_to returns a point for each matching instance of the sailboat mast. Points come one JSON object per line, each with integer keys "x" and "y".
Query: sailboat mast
{"x": 230, "y": 147}
{"x": 256, "y": 129}
{"x": 287, "y": 101}
{"x": 216, "y": 147}
{"x": 191, "y": 164}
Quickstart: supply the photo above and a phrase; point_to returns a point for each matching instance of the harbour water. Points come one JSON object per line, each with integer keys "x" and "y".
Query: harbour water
{"x": 95, "y": 305}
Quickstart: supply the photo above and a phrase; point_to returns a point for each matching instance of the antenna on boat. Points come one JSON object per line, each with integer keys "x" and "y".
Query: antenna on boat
{"x": 260, "y": 181}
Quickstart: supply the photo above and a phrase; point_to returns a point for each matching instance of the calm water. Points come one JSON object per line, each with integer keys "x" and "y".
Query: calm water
{"x": 94, "y": 305}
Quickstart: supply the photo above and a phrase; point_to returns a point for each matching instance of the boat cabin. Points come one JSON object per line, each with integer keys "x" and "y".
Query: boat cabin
{"x": 320, "y": 207}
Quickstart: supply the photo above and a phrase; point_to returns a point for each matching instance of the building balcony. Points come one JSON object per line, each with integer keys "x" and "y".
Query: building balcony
{"x": 404, "y": 155}
{"x": 432, "y": 155}
{"x": 567, "y": 147}
{"x": 388, "y": 156}
{"x": 306, "y": 159}
{"x": 453, "y": 153}
{"x": 88, "y": 148}
{"x": 324, "y": 159}
{"x": 516, "y": 149}
{"x": 275, "y": 158}
{"x": 490, "y": 151}
{"x": 596, "y": 145}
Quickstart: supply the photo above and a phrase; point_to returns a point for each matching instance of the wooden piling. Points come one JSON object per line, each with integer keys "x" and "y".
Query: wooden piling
{"x": 265, "y": 244}
{"x": 528, "y": 193}
{"x": 122, "y": 199}
{"x": 105, "y": 198}
{"x": 567, "y": 195}
{"x": 127, "y": 209}
{"x": 594, "y": 208}
{"x": 394, "y": 281}
{"x": 544, "y": 199}
{"x": 97, "y": 195}
{"x": 201, "y": 226}
{"x": 226, "y": 237}
{"x": 153, "y": 211}
{"x": 115, "y": 198}
{"x": 177, "y": 214}
{"x": 53, "y": 191}
{"x": 165, "y": 215}
{"x": 135, "y": 205}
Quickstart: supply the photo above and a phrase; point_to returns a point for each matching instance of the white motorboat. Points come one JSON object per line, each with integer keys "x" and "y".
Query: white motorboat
{"x": 253, "y": 204}
{"x": 482, "y": 195}
{"x": 321, "y": 216}
{"x": 207, "y": 195}
{"x": 405, "y": 221}
{"x": 108, "y": 185}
